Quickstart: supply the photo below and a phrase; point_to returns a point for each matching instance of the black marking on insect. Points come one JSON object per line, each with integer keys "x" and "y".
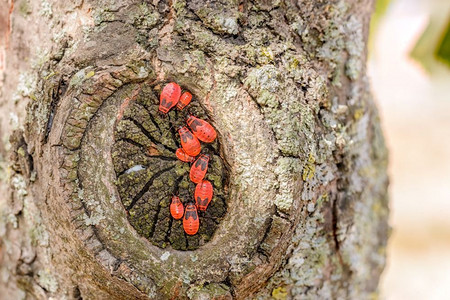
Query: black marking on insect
{"x": 195, "y": 124}
{"x": 202, "y": 163}
{"x": 187, "y": 135}
{"x": 201, "y": 202}
{"x": 192, "y": 214}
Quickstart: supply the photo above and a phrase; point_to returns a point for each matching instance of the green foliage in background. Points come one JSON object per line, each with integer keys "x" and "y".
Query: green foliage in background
{"x": 432, "y": 49}
{"x": 443, "y": 49}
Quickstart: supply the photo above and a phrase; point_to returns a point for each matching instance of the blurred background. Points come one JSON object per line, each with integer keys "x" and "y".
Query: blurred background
{"x": 409, "y": 67}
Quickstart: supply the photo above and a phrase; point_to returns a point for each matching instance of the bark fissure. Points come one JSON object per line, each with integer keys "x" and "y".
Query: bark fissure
{"x": 57, "y": 93}
{"x": 147, "y": 186}
{"x": 155, "y": 217}
{"x": 150, "y": 116}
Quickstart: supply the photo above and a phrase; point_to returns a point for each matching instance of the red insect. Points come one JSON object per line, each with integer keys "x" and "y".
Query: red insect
{"x": 184, "y": 100}
{"x": 190, "y": 221}
{"x": 176, "y": 208}
{"x": 183, "y": 156}
{"x": 201, "y": 129}
{"x": 199, "y": 168}
{"x": 203, "y": 194}
{"x": 169, "y": 97}
{"x": 189, "y": 142}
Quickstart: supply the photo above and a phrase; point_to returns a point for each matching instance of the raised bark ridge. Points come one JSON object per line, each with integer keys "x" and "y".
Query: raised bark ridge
{"x": 284, "y": 85}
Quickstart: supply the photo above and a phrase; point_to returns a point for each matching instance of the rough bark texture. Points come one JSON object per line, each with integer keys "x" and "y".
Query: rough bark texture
{"x": 284, "y": 84}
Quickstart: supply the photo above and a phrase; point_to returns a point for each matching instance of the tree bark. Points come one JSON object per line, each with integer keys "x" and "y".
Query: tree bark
{"x": 302, "y": 160}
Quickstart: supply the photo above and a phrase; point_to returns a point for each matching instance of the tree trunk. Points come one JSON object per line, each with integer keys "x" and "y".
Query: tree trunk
{"x": 87, "y": 165}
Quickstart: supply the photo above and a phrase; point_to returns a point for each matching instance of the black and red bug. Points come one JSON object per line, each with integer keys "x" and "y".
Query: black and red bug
{"x": 176, "y": 208}
{"x": 201, "y": 129}
{"x": 189, "y": 142}
{"x": 190, "y": 220}
{"x": 169, "y": 97}
{"x": 203, "y": 194}
{"x": 199, "y": 168}
{"x": 185, "y": 99}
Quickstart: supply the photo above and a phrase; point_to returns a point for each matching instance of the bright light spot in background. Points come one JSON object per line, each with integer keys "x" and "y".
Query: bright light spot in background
{"x": 415, "y": 111}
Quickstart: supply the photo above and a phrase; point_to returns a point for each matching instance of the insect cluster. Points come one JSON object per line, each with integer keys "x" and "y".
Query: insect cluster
{"x": 199, "y": 130}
